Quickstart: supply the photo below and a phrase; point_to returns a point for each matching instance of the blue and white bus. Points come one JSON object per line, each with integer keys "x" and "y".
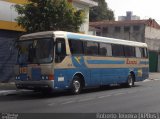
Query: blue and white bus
{"x": 61, "y": 60}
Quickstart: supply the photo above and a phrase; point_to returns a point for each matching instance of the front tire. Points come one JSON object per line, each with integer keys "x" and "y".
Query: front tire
{"x": 76, "y": 86}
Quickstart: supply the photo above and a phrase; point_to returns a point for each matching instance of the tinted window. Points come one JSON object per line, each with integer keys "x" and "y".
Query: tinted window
{"x": 144, "y": 52}
{"x": 76, "y": 46}
{"x": 129, "y": 51}
{"x": 105, "y": 49}
{"x": 138, "y": 52}
{"x": 35, "y": 51}
{"x": 117, "y": 50}
{"x": 141, "y": 52}
{"x": 91, "y": 48}
{"x": 60, "y": 50}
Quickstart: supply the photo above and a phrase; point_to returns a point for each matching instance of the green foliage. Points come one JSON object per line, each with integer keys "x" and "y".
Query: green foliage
{"x": 43, "y": 15}
{"x": 101, "y": 12}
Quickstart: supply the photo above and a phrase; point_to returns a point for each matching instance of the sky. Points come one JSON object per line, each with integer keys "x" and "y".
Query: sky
{"x": 144, "y": 8}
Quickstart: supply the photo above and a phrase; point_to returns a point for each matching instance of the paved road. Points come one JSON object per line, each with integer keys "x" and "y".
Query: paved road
{"x": 144, "y": 97}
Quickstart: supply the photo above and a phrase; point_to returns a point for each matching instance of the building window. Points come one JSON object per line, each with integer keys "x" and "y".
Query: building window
{"x": 98, "y": 33}
{"x": 117, "y": 29}
{"x": 105, "y": 29}
{"x": 136, "y": 28}
{"x": 126, "y": 29}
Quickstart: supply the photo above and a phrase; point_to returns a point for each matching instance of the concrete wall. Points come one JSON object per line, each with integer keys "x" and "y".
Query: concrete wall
{"x": 85, "y": 26}
{"x": 7, "y": 11}
{"x": 8, "y": 55}
{"x": 152, "y": 38}
{"x": 126, "y": 35}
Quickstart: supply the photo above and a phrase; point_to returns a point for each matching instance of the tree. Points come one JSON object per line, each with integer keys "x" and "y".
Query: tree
{"x": 42, "y": 15}
{"x": 101, "y": 12}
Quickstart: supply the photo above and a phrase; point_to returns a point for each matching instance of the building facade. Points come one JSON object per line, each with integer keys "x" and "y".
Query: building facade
{"x": 9, "y": 31}
{"x": 84, "y": 5}
{"x": 147, "y": 31}
{"x": 129, "y": 16}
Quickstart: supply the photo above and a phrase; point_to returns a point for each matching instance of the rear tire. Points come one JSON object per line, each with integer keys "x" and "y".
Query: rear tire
{"x": 130, "y": 81}
{"x": 76, "y": 86}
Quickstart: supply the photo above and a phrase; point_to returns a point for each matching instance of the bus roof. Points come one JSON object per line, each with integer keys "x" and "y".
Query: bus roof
{"x": 84, "y": 37}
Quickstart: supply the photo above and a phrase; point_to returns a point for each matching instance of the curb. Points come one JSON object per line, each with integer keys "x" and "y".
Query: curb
{"x": 8, "y": 86}
{"x": 7, "y": 92}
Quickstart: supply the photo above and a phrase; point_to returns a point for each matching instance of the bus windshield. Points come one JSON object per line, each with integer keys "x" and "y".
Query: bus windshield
{"x": 36, "y": 51}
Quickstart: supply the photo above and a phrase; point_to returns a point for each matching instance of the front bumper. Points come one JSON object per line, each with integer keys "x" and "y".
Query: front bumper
{"x": 47, "y": 84}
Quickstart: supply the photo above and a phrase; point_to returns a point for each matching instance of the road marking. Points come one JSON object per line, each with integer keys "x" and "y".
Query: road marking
{"x": 104, "y": 96}
{"x": 51, "y": 104}
{"x": 118, "y": 94}
{"x": 130, "y": 92}
{"x": 7, "y": 92}
{"x": 147, "y": 80}
{"x": 87, "y": 99}
{"x": 67, "y": 102}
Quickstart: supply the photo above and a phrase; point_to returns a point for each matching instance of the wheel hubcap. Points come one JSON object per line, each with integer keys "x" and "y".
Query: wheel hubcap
{"x": 130, "y": 81}
{"x": 76, "y": 86}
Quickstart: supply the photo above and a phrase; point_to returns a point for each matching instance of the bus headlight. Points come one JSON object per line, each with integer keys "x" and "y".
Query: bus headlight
{"x": 47, "y": 77}
{"x": 43, "y": 77}
{"x": 17, "y": 77}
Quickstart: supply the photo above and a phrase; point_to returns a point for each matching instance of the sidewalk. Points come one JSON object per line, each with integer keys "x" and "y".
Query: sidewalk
{"x": 8, "y": 86}
{"x": 155, "y": 75}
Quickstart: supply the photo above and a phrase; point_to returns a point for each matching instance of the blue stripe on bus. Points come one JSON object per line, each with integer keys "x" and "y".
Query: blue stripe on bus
{"x": 105, "y": 62}
{"x": 144, "y": 62}
{"x": 96, "y": 77}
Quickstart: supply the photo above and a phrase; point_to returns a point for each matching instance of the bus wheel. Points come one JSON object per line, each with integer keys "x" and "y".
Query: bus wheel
{"x": 130, "y": 81}
{"x": 76, "y": 85}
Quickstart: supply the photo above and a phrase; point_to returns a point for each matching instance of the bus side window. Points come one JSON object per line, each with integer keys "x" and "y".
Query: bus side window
{"x": 138, "y": 52}
{"x": 60, "y": 48}
{"x": 117, "y": 50}
{"x": 129, "y": 51}
{"x": 76, "y": 47}
{"x": 91, "y": 48}
{"x": 109, "y": 49}
{"x": 146, "y": 52}
{"x": 105, "y": 49}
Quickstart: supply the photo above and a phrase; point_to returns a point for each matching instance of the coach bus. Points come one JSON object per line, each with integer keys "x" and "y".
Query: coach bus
{"x": 59, "y": 60}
